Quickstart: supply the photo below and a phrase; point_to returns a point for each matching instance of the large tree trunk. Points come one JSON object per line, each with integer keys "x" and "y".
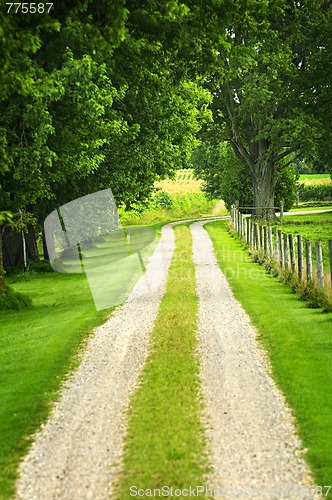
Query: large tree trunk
{"x": 13, "y": 248}
{"x": 45, "y": 249}
{"x": 264, "y": 182}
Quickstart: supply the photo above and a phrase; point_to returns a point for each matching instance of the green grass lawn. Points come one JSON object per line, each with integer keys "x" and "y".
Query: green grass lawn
{"x": 165, "y": 443}
{"x": 298, "y": 341}
{"x": 37, "y": 349}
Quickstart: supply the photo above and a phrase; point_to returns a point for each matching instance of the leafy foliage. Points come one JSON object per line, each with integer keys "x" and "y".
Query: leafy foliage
{"x": 315, "y": 193}
{"x": 227, "y": 177}
{"x": 11, "y": 300}
{"x": 263, "y": 67}
{"x": 89, "y": 100}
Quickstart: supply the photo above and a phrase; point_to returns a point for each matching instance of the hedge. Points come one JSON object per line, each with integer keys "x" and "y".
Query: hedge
{"x": 319, "y": 192}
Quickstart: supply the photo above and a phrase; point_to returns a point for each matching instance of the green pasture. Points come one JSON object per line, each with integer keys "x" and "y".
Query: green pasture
{"x": 298, "y": 341}
{"x": 310, "y": 208}
{"x": 314, "y": 227}
{"x": 168, "y": 206}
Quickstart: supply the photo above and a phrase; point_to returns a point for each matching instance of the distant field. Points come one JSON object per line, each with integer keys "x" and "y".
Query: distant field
{"x": 184, "y": 183}
{"x": 312, "y": 179}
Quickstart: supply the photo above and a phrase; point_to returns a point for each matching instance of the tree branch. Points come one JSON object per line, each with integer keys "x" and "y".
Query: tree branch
{"x": 236, "y": 139}
{"x": 280, "y": 156}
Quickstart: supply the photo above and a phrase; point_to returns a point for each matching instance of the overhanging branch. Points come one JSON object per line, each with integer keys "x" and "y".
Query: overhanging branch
{"x": 237, "y": 143}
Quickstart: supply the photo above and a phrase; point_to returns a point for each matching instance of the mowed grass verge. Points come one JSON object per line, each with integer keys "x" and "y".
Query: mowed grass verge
{"x": 165, "y": 443}
{"x": 298, "y": 341}
{"x": 37, "y": 349}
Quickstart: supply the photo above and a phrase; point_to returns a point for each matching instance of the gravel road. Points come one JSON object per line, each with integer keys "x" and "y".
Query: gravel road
{"x": 253, "y": 443}
{"x": 72, "y": 454}
{"x": 250, "y": 431}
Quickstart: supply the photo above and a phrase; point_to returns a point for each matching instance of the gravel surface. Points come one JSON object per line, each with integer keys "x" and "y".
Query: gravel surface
{"x": 76, "y": 454}
{"x": 253, "y": 443}
{"x": 250, "y": 431}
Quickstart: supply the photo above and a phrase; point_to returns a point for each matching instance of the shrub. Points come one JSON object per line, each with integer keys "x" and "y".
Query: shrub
{"x": 319, "y": 192}
{"x": 163, "y": 200}
{"x": 12, "y": 300}
{"x": 41, "y": 267}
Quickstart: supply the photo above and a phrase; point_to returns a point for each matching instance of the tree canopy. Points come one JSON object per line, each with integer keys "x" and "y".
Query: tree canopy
{"x": 105, "y": 93}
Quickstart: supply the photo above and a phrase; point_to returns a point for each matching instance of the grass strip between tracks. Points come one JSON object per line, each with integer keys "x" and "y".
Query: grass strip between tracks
{"x": 298, "y": 341}
{"x": 165, "y": 443}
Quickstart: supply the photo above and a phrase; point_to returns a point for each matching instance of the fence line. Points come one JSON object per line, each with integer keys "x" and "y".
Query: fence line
{"x": 289, "y": 252}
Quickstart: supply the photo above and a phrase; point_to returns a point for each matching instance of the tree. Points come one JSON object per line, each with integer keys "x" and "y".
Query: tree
{"x": 98, "y": 106}
{"x": 227, "y": 177}
{"x": 264, "y": 65}
{"x": 44, "y": 100}
{"x": 256, "y": 89}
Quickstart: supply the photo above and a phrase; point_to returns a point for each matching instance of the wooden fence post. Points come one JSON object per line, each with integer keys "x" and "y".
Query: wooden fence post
{"x": 270, "y": 242}
{"x": 257, "y": 235}
{"x": 276, "y": 253}
{"x": 299, "y": 257}
{"x": 286, "y": 251}
{"x": 329, "y": 245}
{"x": 248, "y": 230}
{"x": 319, "y": 264}
{"x": 260, "y": 229}
{"x": 308, "y": 258}
{"x": 281, "y": 212}
{"x": 265, "y": 239}
{"x": 281, "y": 260}
{"x": 292, "y": 251}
